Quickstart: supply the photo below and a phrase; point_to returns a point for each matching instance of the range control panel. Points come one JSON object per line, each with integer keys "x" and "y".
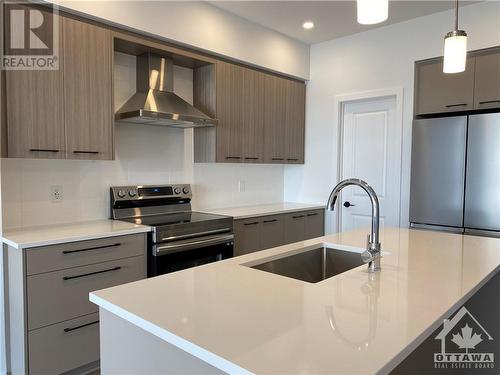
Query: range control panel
{"x": 128, "y": 193}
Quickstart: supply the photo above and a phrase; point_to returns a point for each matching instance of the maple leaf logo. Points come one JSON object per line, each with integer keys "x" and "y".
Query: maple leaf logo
{"x": 467, "y": 340}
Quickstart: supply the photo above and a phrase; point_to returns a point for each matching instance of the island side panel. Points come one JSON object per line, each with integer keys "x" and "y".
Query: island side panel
{"x": 16, "y": 289}
{"x": 485, "y": 307}
{"x": 127, "y": 349}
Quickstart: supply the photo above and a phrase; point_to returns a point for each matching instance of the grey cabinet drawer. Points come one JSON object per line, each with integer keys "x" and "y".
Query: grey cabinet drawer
{"x": 295, "y": 227}
{"x": 315, "y": 224}
{"x": 61, "y": 295}
{"x": 74, "y": 254}
{"x": 273, "y": 231}
{"x": 61, "y": 347}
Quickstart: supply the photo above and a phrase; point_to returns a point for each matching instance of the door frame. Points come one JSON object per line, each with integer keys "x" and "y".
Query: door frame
{"x": 340, "y": 101}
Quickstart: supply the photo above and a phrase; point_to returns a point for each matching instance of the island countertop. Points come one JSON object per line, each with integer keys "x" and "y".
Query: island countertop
{"x": 243, "y": 320}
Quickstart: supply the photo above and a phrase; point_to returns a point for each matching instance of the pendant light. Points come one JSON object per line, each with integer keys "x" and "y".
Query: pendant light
{"x": 455, "y": 48}
{"x": 372, "y": 11}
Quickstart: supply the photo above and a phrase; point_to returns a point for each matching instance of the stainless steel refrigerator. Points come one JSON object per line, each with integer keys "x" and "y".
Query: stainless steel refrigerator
{"x": 455, "y": 174}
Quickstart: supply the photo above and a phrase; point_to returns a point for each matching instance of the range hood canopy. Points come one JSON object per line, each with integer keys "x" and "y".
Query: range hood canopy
{"x": 155, "y": 103}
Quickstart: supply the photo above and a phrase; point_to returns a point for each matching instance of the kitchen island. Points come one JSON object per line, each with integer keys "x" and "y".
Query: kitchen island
{"x": 226, "y": 317}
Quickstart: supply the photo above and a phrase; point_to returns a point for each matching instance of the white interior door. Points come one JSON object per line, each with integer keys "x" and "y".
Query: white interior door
{"x": 371, "y": 151}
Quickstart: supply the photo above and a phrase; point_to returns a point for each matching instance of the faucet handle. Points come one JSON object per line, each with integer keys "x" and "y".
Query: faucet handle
{"x": 367, "y": 256}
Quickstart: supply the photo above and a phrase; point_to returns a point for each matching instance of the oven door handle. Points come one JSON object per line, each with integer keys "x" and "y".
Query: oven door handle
{"x": 177, "y": 246}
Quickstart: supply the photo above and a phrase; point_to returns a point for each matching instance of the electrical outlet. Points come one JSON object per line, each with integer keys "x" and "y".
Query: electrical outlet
{"x": 241, "y": 186}
{"x": 56, "y": 193}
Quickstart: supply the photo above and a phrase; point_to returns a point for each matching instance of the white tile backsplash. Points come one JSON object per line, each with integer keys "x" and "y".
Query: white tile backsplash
{"x": 144, "y": 155}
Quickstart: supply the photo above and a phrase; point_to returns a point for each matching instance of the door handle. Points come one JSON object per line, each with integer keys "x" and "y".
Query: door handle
{"x": 348, "y": 204}
{"x": 490, "y": 102}
{"x": 455, "y": 105}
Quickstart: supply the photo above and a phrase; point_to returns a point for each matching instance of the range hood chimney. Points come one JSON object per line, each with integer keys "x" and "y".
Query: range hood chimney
{"x": 155, "y": 103}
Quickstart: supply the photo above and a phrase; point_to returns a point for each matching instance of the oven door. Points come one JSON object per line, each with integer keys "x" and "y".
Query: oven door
{"x": 181, "y": 254}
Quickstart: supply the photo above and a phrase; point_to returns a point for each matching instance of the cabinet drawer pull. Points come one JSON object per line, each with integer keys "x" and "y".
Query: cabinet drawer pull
{"x": 313, "y": 214}
{"x": 292, "y": 159}
{"x": 277, "y": 159}
{"x": 233, "y": 157}
{"x": 43, "y": 150}
{"x": 490, "y": 102}
{"x": 252, "y": 223}
{"x": 90, "y": 248}
{"x": 85, "y": 152}
{"x": 251, "y": 158}
{"x": 297, "y": 216}
{"x": 91, "y": 273}
{"x": 82, "y": 326}
{"x": 455, "y": 105}
{"x": 271, "y": 221}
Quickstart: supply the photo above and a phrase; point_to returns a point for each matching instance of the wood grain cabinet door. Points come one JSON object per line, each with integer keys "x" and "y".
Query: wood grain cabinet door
{"x": 247, "y": 235}
{"x": 295, "y": 227}
{"x": 315, "y": 224}
{"x": 35, "y": 117}
{"x": 275, "y": 149}
{"x": 229, "y": 112}
{"x": 253, "y": 116}
{"x": 88, "y": 52}
{"x": 439, "y": 92}
{"x": 295, "y": 122}
{"x": 273, "y": 231}
{"x": 487, "y": 81}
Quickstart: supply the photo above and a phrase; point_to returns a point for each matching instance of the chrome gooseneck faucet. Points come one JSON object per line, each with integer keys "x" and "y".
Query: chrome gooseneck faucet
{"x": 372, "y": 253}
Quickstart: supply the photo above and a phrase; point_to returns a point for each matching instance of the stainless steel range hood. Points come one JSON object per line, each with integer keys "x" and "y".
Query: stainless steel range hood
{"x": 155, "y": 103}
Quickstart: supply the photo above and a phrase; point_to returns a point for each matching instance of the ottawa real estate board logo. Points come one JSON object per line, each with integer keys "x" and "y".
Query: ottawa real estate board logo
{"x": 31, "y": 37}
{"x": 463, "y": 340}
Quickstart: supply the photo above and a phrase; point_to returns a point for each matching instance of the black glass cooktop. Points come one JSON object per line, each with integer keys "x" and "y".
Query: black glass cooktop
{"x": 174, "y": 218}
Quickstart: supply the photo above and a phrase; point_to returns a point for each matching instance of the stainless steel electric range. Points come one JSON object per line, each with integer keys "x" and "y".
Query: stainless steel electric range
{"x": 180, "y": 238}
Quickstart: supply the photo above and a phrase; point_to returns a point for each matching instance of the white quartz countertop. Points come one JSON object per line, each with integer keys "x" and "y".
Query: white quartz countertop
{"x": 243, "y": 320}
{"x": 62, "y": 233}
{"x": 244, "y": 212}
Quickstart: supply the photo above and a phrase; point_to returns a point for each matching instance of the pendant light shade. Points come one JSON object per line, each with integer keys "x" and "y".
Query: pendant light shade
{"x": 455, "y": 51}
{"x": 455, "y": 48}
{"x": 372, "y": 11}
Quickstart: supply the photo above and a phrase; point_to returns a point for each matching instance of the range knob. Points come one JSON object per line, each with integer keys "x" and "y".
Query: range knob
{"x": 185, "y": 190}
{"x": 177, "y": 190}
{"x": 121, "y": 193}
{"x": 132, "y": 193}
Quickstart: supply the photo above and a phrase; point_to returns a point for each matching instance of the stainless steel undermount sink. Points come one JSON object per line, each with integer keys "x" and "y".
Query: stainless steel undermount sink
{"x": 312, "y": 265}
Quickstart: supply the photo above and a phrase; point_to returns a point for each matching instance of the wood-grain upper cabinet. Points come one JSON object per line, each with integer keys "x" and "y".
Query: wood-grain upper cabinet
{"x": 295, "y": 121}
{"x": 229, "y": 113}
{"x": 438, "y": 92}
{"x": 35, "y": 117}
{"x": 275, "y": 145}
{"x": 284, "y": 120}
{"x": 253, "y": 116}
{"x": 487, "y": 81}
{"x": 87, "y": 54}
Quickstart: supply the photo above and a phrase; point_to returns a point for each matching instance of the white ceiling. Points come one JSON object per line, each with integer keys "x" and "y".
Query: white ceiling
{"x": 332, "y": 19}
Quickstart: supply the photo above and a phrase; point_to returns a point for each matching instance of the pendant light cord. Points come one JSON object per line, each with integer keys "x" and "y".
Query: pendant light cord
{"x": 456, "y": 15}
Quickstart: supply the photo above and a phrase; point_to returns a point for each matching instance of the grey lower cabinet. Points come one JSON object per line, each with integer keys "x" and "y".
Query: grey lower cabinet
{"x": 264, "y": 232}
{"x": 54, "y": 328}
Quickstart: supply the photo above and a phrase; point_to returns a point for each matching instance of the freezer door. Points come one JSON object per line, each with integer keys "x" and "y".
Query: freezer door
{"x": 482, "y": 194}
{"x": 438, "y": 171}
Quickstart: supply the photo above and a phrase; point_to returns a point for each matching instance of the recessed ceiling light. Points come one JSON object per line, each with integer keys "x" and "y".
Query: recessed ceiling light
{"x": 308, "y": 25}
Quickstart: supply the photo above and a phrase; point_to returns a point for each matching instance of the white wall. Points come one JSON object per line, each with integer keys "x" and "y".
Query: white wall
{"x": 377, "y": 59}
{"x": 144, "y": 155}
{"x": 205, "y": 27}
